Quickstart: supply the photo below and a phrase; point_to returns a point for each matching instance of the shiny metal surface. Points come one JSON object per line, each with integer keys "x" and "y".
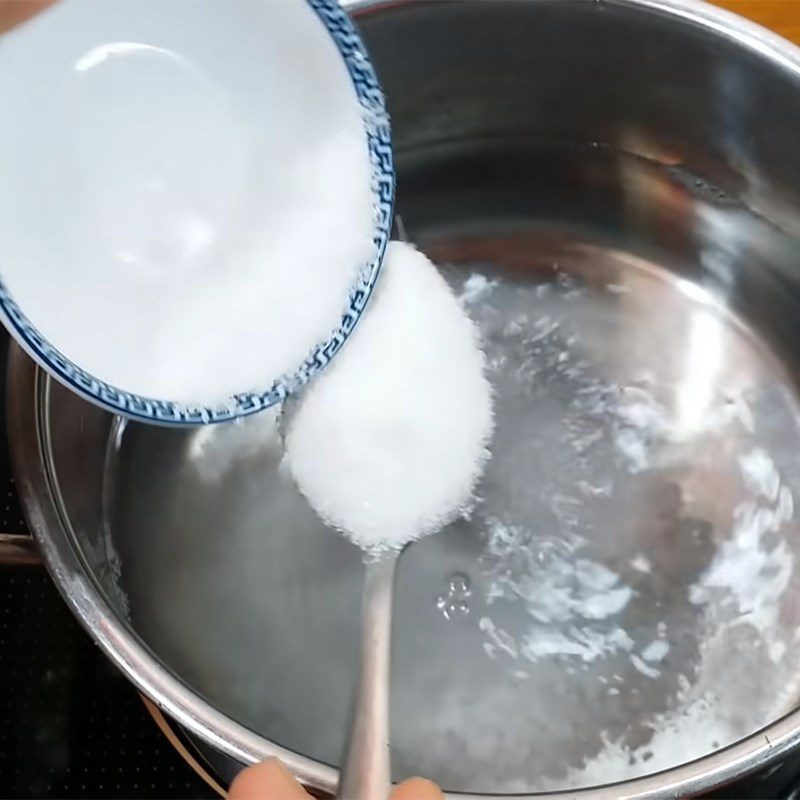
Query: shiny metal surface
{"x": 613, "y": 188}
{"x": 366, "y": 762}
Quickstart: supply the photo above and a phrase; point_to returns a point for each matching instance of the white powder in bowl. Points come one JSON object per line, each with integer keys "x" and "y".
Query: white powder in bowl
{"x": 184, "y": 205}
{"x": 388, "y": 443}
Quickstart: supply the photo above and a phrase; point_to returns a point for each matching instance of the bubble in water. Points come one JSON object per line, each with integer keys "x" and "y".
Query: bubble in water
{"x": 458, "y": 584}
{"x": 454, "y": 601}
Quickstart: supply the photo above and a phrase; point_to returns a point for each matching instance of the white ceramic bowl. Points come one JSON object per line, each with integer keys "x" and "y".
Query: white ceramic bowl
{"x": 50, "y": 147}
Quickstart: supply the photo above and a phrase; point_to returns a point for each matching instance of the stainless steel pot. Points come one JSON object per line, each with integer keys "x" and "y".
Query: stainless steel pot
{"x": 615, "y": 187}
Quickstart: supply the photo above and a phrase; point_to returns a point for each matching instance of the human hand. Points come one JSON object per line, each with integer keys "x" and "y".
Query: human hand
{"x": 270, "y": 780}
{"x": 12, "y": 12}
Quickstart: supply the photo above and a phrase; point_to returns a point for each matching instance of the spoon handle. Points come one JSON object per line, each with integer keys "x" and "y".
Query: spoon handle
{"x": 366, "y": 774}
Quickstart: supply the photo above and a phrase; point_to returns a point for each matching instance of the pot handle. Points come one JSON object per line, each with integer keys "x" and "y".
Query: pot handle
{"x": 18, "y": 550}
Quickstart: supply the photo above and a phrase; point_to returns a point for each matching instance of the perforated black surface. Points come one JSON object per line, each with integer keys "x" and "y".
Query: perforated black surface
{"x": 11, "y": 519}
{"x": 70, "y": 725}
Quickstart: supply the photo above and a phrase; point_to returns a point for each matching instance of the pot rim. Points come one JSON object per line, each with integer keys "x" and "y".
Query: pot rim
{"x": 28, "y": 390}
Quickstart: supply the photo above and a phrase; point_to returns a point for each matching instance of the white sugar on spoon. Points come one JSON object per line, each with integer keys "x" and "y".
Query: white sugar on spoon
{"x": 387, "y": 446}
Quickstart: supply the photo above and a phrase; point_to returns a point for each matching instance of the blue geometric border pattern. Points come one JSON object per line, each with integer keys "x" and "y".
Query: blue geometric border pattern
{"x": 379, "y": 142}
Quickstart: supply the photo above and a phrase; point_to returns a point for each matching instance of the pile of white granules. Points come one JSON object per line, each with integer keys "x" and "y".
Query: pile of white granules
{"x": 388, "y": 443}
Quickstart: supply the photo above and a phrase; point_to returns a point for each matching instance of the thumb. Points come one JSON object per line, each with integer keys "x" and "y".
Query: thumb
{"x": 416, "y": 789}
{"x": 269, "y": 780}
{"x": 12, "y": 12}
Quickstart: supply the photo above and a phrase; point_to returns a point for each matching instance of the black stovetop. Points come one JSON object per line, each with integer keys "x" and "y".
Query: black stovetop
{"x": 70, "y": 724}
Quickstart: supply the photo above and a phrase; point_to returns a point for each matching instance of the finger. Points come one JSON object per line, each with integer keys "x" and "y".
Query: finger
{"x": 269, "y": 780}
{"x": 12, "y": 12}
{"x": 417, "y": 789}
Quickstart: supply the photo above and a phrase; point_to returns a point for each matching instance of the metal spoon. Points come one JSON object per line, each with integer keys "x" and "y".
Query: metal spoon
{"x": 366, "y": 771}
{"x": 366, "y": 763}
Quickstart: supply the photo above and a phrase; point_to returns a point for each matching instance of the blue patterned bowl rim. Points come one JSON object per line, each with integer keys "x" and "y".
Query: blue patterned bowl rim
{"x": 379, "y": 142}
